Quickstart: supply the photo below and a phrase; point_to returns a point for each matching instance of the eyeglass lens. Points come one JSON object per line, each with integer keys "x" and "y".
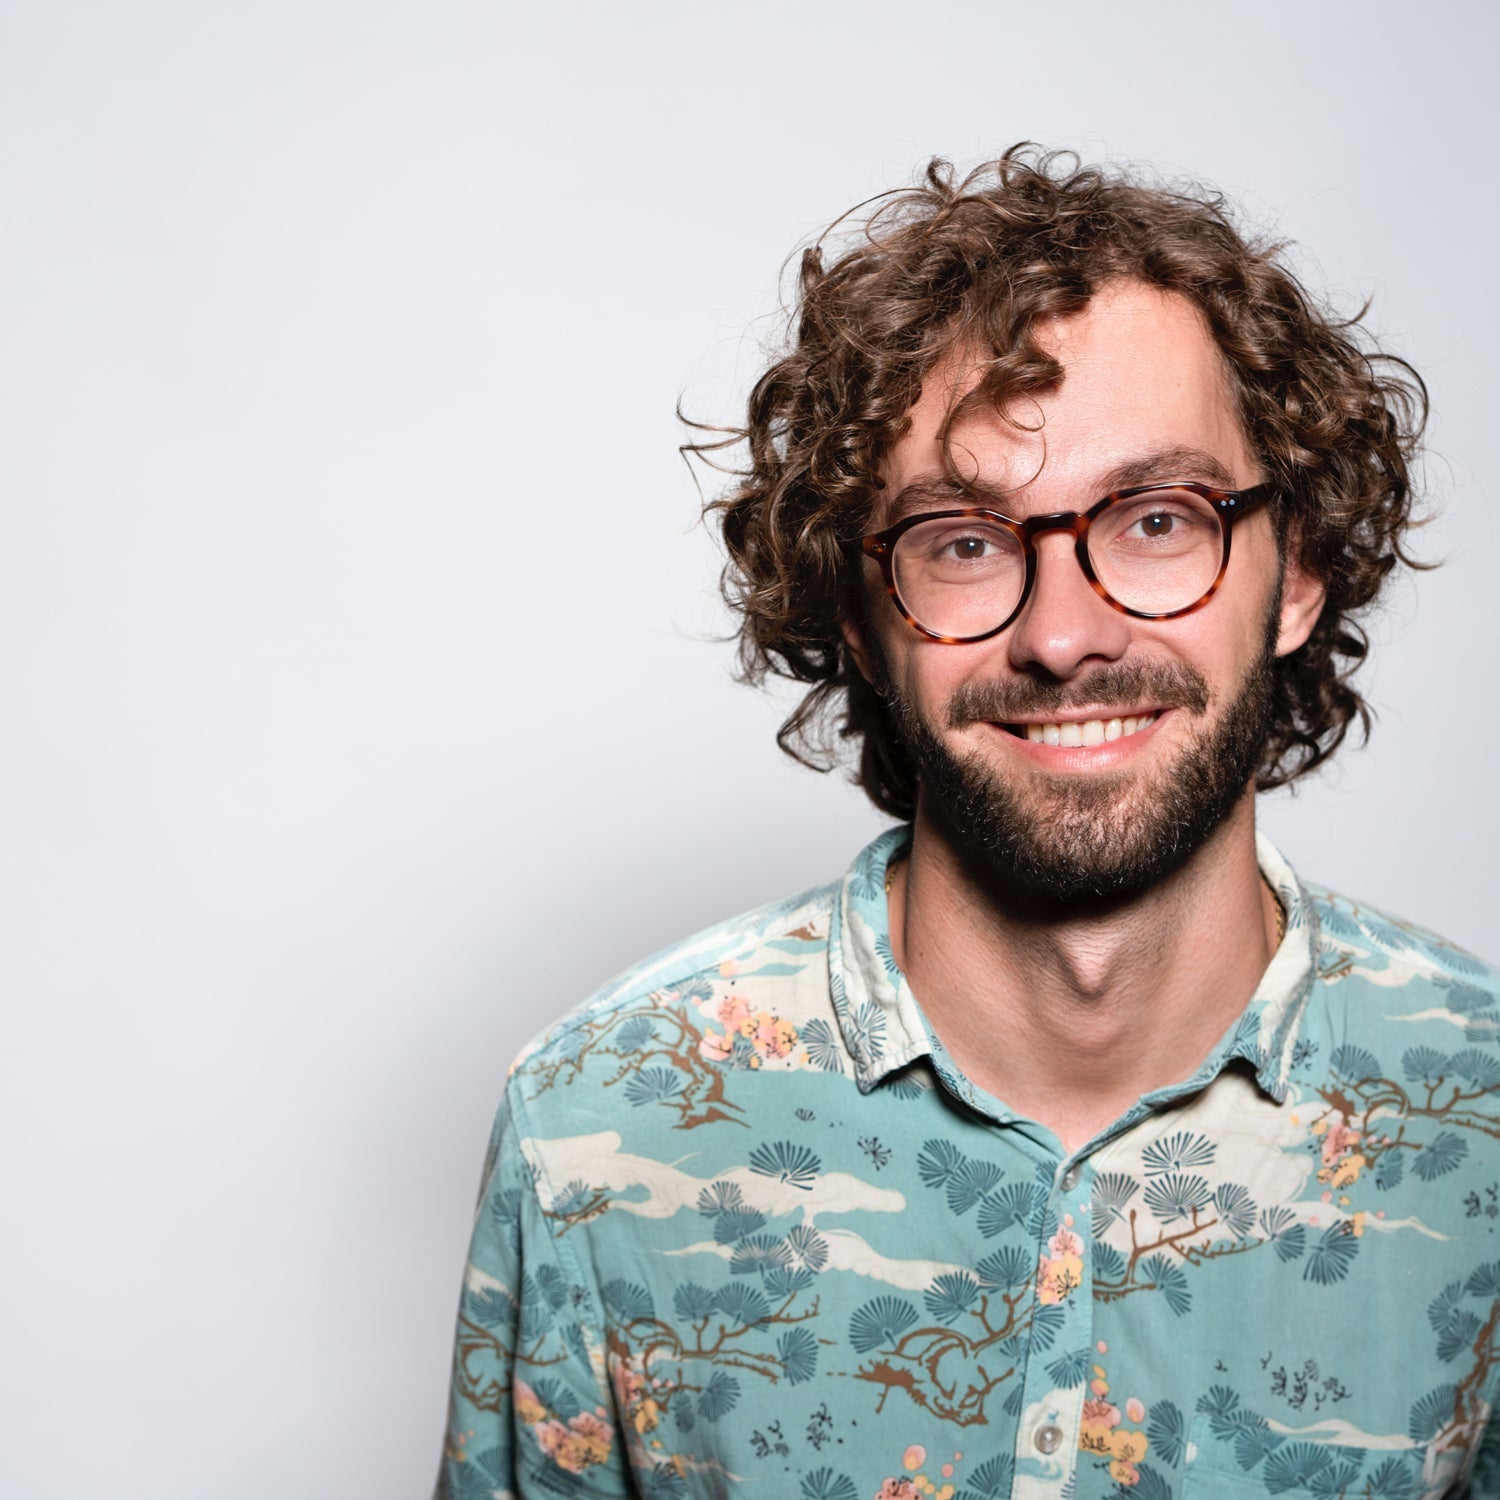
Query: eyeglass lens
{"x": 1154, "y": 552}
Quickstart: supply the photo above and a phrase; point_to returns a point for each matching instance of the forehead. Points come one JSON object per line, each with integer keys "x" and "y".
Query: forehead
{"x": 1144, "y": 386}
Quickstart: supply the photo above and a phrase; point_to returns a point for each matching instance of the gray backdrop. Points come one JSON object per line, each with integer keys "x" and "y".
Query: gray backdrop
{"x": 362, "y": 704}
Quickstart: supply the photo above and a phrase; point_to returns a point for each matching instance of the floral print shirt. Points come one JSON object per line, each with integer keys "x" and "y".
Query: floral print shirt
{"x": 746, "y": 1231}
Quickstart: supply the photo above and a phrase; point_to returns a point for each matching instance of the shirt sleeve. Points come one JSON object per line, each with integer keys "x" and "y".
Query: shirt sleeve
{"x": 530, "y": 1411}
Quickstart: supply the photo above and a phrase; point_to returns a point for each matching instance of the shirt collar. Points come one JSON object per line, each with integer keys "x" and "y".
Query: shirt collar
{"x": 884, "y": 1028}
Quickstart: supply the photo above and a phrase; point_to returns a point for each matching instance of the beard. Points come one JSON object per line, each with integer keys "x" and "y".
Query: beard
{"x": 1063, "y": 839}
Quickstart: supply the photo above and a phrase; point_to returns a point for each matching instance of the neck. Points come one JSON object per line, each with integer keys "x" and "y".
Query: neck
{"x": 1070, "y": 1013}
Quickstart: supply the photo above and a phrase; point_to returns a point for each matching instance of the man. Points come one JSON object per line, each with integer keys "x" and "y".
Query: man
{"x": 1070, "y": 1145}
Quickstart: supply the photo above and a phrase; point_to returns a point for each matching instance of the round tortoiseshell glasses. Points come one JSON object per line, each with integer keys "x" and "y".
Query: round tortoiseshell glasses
{"x": 1155, "y": 551}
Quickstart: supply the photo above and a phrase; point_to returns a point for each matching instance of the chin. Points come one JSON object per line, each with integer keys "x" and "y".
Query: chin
{"x": 1066, "y": 840}
{"x": 1059, "y": 838}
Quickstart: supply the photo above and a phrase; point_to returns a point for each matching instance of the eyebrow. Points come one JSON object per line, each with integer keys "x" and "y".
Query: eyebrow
{"x": 1165, "y": 464}
{"x": 1169, "y": 463}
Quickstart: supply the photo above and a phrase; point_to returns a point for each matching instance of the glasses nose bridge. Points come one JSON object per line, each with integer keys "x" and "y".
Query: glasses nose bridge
{"x": 1059, "y": 520}
{"x": 1076, "y": 524}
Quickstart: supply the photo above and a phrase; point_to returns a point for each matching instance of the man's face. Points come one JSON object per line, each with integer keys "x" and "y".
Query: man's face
{"x": 1145, "y": 398}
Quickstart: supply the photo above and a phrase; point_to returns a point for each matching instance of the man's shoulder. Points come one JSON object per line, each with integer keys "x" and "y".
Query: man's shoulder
{"x": 669, "y": 999}
{"x": 1397, "y": 993}
{"x": 1356, "y": 937}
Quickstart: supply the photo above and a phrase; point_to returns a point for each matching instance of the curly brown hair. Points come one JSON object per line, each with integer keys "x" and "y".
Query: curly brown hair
{"x": 977, "y": 263}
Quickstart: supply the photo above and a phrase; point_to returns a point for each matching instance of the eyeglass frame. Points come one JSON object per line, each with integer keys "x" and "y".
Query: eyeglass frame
{"x": 1229, "y": 506}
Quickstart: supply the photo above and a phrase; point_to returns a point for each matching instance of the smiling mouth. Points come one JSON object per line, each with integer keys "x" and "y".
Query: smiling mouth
{"x": 1072, "y": 734}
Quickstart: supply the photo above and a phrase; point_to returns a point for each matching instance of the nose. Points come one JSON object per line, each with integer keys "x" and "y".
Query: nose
{"x": 1064, "y": 625}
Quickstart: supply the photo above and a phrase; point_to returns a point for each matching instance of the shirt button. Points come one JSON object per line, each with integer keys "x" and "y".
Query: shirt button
{"x": 1048, "y": 1439}
{"x": 1070, "y": 1178}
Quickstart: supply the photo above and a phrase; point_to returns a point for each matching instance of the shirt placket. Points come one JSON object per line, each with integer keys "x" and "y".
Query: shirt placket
{"x": 1050, "y": 1425}
{"x": 1060, "y": 1333}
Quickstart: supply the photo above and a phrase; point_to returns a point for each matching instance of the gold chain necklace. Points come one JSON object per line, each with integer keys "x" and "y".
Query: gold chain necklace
{"x": 1280, "y": 911}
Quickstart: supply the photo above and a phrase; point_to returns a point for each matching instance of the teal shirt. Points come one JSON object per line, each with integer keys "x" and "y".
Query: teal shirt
{"x": 747, "y": 1231}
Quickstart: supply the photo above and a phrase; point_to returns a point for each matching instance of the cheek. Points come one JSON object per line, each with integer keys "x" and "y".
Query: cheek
{"x": 1227, "y": 656}
{"x": 929, "y": 674}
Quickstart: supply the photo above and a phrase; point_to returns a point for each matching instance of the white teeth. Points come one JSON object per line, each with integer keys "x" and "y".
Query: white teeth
{"x": 1075, "y": 734}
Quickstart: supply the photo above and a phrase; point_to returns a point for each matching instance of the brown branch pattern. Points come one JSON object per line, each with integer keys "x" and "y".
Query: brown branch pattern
{"x": 702, "y": 1099}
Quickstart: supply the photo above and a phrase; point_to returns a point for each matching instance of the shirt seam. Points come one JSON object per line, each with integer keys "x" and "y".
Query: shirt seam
{"x": 608, "y": 997}
{"x": 562, "y": 1252}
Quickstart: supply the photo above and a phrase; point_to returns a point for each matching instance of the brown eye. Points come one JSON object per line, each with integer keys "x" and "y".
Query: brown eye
{"x": 969, "y": 548}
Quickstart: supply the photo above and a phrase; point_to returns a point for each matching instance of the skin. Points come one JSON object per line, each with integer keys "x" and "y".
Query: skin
{"x": 1071, "y": 1013}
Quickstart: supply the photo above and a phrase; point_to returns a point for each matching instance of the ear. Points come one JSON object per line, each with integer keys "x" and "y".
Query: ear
{"x": 1302, "y": 596}
{"x": 853, "y": 628}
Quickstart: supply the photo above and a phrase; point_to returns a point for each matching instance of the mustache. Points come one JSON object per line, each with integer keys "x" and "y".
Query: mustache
{"x": 1157, "y": 684}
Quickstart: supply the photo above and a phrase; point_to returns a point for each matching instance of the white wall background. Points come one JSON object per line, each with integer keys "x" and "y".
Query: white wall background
{"x": 360, "y": 707}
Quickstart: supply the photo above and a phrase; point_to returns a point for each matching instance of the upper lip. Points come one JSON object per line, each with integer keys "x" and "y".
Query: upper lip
{"x": 1082, "y": 716}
